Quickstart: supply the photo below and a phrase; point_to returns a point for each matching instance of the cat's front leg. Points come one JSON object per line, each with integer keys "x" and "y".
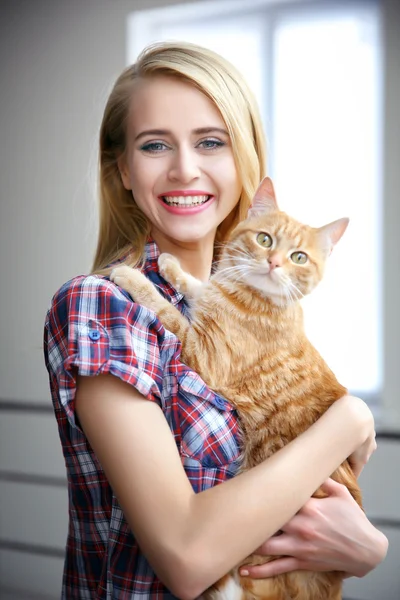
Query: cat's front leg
{"x": 143, "y": 292}
{"x": 183, "y": 282}
{"x": 139, "y": 287}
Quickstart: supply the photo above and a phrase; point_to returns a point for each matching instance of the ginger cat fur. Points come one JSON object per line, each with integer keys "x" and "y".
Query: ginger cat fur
{"x": 246, "y": 340}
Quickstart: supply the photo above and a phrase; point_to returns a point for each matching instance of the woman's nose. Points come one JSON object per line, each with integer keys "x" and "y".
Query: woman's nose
{"x": 184, "y": 166}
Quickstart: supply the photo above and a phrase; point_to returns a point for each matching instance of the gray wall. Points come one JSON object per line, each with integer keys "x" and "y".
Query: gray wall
{"x": 59, "y": 59}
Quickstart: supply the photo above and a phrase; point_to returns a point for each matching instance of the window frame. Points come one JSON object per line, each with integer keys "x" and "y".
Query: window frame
{"x": 142, "y": 26}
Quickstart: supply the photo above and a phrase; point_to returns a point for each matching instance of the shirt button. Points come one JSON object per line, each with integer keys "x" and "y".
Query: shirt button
{"x": 94, "y": 335}
{"x": 208, "y": 462}
{"x": 220, "y": 403}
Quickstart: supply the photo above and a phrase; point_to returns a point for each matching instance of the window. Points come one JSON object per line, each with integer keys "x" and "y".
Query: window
{"x": 315, "y": 69}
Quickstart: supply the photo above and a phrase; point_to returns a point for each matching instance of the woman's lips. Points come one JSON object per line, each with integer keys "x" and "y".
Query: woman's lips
{"x": 193, "y": 192}
{"x": 180, "y": 206}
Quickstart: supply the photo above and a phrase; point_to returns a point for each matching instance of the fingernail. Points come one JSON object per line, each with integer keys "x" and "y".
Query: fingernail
{"x": 244, "y": 573}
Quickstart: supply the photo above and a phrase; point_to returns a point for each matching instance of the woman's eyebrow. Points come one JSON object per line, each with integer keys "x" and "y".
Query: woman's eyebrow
{"x": 202, "y": 130}
{"x": 151, "y": 132}
{"x": 198, "y": 131}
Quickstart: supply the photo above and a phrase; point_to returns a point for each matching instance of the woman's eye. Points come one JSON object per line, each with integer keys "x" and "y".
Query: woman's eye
{"x": 154, "y": 147}
{"x": 300, "y": 258}
{"x": 264, "y": 239}
{"x": 211, "y": 144}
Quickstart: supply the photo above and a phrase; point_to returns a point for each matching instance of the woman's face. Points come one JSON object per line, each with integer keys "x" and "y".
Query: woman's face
{"x": 179, "y": 162}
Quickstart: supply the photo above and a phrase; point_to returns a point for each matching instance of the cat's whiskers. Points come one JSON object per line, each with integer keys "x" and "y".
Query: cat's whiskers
{"x": 236, "y": 252}
{"x": 289, "y": 295}
{"x": 241, "y": 271}
{"x": 292, "y": 294}
{"x": 234, "y": 261}
{"x": 284, "y": 293}
{"x": 290, "y": 290}
{"x": 234, "y": 266}
{"x": 299, "y": 294}
{"x": 286, "y": 288}
{"x": 228, "y": 272}
{"x": 233, "y": 246}
{"x": 286, "y": 296}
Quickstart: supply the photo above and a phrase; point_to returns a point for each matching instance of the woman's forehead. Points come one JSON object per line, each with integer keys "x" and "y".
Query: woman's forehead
{"x": 164, "y": 102}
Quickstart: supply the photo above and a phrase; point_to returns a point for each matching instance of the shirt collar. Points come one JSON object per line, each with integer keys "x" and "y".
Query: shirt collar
{"x": 150, "y": 268}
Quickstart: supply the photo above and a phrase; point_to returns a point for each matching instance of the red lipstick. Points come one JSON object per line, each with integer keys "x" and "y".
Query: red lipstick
{"x": 185, "y": 193}
{"x": 185, "y": 209}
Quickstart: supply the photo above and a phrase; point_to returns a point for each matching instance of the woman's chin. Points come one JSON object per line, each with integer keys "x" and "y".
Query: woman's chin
{"x": 192, "y": 235}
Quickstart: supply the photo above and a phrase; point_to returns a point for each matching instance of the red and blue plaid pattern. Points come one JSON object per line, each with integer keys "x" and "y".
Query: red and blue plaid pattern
{"x": 93, "y": 327}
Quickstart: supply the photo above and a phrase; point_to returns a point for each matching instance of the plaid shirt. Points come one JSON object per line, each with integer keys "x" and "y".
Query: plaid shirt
{"x": 93, "y": 327}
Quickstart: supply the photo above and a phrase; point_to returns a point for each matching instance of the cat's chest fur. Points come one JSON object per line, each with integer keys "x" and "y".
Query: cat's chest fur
{"x": 256, "y": 354}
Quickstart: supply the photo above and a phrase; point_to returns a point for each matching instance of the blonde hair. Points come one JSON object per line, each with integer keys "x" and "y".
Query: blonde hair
{"x": 124, "y": 229}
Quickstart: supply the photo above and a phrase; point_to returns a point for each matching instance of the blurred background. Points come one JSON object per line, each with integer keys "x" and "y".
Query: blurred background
{"x": 327, "y": 78}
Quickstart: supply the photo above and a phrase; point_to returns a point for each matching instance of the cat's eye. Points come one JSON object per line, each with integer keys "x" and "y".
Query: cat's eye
{"x": 265, "y": 240}
{"x": 300, "y": 258}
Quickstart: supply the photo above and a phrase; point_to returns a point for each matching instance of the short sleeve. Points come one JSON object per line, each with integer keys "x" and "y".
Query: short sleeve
{"x": 92, "y": 328}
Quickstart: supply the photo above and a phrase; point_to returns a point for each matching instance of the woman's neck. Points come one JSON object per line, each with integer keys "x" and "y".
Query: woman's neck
{"x": 195, "y": 257}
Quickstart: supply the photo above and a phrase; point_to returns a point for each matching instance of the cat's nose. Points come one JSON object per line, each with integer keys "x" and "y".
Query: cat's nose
{"x": 274, "y": 261}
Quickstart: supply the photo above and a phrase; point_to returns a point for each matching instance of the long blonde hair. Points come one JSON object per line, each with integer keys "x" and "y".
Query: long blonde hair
{"x": 124, "y": 228}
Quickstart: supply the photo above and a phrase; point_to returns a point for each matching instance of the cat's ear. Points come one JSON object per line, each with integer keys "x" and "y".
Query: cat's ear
{"x": 330, "y": 234}
{"x": 264, "y": 200}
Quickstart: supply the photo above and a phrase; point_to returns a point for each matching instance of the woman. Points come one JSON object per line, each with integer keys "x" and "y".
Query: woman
{"x": 145, "y": 441}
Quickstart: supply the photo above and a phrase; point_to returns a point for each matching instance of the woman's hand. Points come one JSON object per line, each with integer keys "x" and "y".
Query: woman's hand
{"x": 327, "y": 534}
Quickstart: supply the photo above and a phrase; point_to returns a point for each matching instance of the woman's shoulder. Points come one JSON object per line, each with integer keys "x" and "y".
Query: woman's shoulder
{"x": 92, "y": 291}
{"x": 88, "y": 299}
{"x": 92, "y": 323}
{"x": 87, "y": 285}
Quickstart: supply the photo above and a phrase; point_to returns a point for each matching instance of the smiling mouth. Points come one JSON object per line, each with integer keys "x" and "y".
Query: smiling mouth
{"x": 184, "y": 201}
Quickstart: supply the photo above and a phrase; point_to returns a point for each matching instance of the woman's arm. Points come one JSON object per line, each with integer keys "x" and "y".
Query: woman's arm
{"x": 190, "y": 539}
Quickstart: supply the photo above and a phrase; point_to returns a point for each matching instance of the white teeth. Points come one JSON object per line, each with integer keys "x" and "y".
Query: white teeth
{"x": 185, "y": 200}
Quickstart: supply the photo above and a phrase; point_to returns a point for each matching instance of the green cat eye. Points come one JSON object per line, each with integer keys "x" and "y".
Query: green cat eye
{"x": 264, "y": 239}
{"x": 300, "y": 258}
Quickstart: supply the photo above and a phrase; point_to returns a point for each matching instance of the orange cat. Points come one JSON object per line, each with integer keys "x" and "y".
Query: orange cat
{"x": 249, "y": 316}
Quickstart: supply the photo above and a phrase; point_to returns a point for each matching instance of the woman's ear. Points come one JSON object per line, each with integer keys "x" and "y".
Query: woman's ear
{"x": 124, "y": 172}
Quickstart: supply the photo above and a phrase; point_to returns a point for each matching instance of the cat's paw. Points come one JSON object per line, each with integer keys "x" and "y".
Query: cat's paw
{"x": 127, "y": 278}
{"x": 170, "y": 269}
{"x": 166, "y": 262}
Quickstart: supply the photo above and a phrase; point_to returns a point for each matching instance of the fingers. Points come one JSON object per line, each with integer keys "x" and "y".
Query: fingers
{"x": 361, "y": 456}
{"x": 356, "y": 467}
{"x": 333, "y": 488}
{"x": 263, "y": 549}
{"x": 275, "y": 567}
{"x": 281, "y": 545}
